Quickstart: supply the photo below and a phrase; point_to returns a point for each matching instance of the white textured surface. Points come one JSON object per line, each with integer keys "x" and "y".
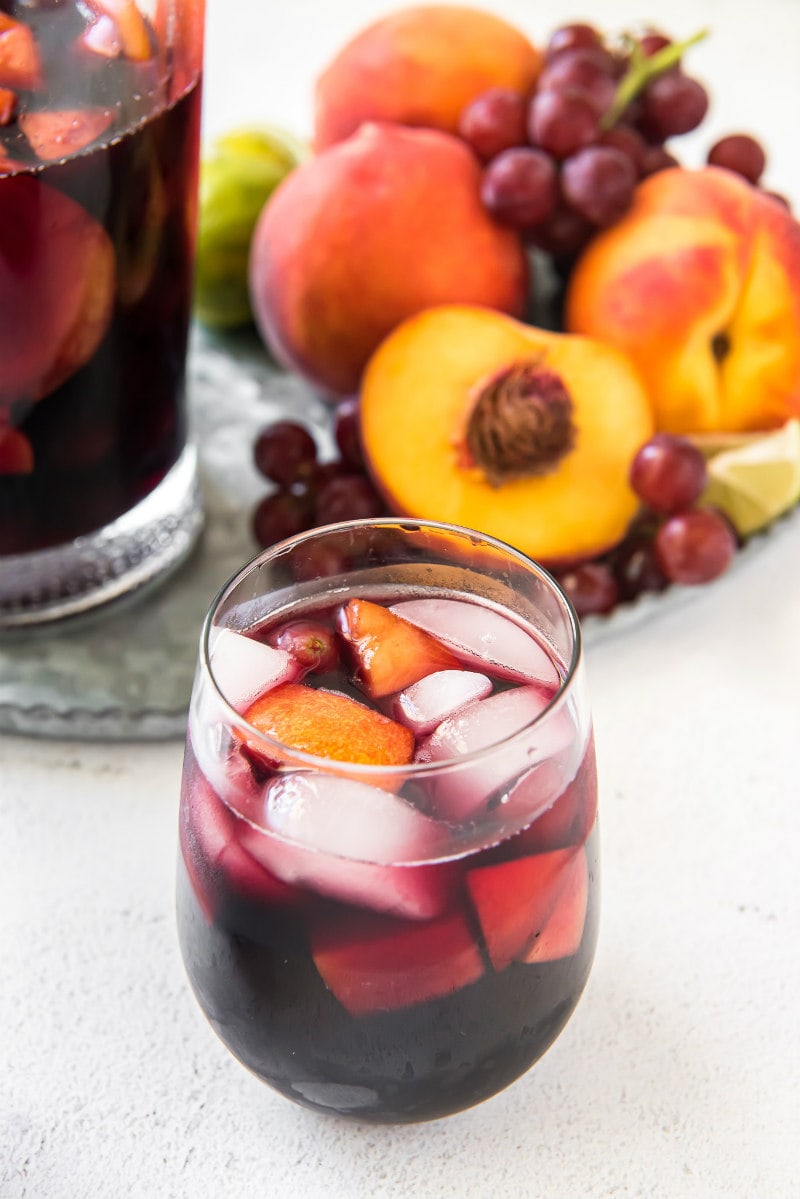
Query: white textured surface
{"x": 678, "y": 1074}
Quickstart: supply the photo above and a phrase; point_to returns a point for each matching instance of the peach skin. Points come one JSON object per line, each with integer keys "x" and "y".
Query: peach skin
{"x": 700, "y": 285}
{"x": 366, "y": 233}
{"x": 420, "y": 66}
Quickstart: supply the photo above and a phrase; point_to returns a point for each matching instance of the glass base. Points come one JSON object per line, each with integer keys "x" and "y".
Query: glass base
{"x": 132, "y": 552}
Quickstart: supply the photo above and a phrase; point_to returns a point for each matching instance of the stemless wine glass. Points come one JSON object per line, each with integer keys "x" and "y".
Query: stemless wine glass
{"x": 387, "y": 892}
{"x": 99, "y": 144}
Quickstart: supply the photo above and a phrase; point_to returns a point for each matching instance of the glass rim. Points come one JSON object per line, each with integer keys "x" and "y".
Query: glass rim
{"x": 361, "y": 771}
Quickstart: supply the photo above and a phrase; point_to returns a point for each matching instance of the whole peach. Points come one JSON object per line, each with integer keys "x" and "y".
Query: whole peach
{"x": 700, "y": 285}
{"x": 369, "y": 232}
{"x": 421, "y": 66}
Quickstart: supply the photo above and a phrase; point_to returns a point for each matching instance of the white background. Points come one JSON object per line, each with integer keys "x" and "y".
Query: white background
{"x": 678, "y": 1075}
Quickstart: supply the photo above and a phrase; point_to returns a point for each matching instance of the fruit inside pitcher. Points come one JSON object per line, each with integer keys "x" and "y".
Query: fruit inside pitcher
{"x": 99, "y": 129}
{"x": 399, "y": 938}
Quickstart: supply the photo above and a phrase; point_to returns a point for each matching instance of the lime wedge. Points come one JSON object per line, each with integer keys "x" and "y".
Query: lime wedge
{"x": 755, "y": 482}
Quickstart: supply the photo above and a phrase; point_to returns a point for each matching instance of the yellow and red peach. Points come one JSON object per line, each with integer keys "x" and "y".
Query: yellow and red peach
{"x": 364, "y": 235}
{"x": 421, "y": 66}
{"x": 472, "y": 417}
{"x": 700, "y": 285}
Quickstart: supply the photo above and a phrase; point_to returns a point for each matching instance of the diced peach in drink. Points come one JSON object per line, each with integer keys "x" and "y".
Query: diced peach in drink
{"x": 16, "y": 452}
{"x": 20, "y": 65}
{"x": 514, "y": 900}
{"x": 389, "y": 653}
{"x": 131, "y": 26}
{"x": 179, "y": 29}
{"x": 378, "y": 964}
{"x": 56, "y": 290}
{"x": 329, "y": 725}
{"x": 58, "y": 133}
{"x": 8, "y": 107}
{"x": 482, "y": 638}
{"x": 425, "y": 704}
{"x": 561, "y": 934}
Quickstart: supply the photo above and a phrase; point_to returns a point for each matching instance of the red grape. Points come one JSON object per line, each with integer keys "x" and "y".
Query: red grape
{"x": 312, "y": 643}
{"x": 695, "y": 547}
{"x": 652, "y": 41}
{"x": 625, "y": 138}
{"x": 318, "y": 560}
{"x": 577, "y": 35}
{"x": 599, "y": 182}
{"x": 520, "y": 187}
{"x": 740, "y": 153}
{"x": 494, "y": 121}
{"x": 636, "y": 568}
{"x": 672, "y": 104}
{"x": 346, "y": 432}
{"x": 583, "y": 70}
{"x": 347, "y": 497}
{"x": 563, "y": 122}
{"x": 591, "y": 586}
{"x": 656, "y": 158}
{"x": 668, "y": 473}
{"x": 280, "y": 515}
{"x": 562, "y": 235}
{"x": 283, "y": 451}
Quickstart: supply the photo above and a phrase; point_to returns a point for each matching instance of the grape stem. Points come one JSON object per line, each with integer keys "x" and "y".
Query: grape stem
{"x": 642, "y": 70}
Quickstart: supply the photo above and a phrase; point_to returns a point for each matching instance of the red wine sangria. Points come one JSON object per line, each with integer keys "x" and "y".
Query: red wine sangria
{"x": 387, "y": 884}
{"x": 99, "y": 134}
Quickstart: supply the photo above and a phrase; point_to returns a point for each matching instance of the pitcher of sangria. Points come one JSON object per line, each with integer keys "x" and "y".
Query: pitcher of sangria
{"x": 99, "y": 137}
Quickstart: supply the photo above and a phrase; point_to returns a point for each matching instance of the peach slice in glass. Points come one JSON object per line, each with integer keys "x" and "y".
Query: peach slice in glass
{"x": 515, "y": 900}
{"x": 328, "y": 724}
{"x": 388, "y": 652}
{"x": 57, "y": 134}
{"x": 20, "y": 65}
{"x": 380, "y": 964}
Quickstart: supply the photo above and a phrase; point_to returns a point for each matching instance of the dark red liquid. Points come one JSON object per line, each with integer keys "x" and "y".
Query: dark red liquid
{"x": 94, "y": 324}
{"x": 382, "y": 1017}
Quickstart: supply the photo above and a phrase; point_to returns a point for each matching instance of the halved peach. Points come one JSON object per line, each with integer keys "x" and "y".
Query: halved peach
{"x": 471, "y": 417}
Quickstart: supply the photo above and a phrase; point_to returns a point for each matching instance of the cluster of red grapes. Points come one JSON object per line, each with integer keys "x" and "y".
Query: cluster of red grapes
{"x": 673, "y": 540}
{"x": 565, "y": 161}
{"x": 308, "y": 492}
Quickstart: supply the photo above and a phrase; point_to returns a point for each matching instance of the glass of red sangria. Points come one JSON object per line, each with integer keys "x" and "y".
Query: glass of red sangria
{"x": 99, "y": 136}
{"x": 387, "y": 884}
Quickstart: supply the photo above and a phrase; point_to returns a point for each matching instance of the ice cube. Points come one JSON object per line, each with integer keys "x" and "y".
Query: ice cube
{"x": 244, "y": 668}
{"x": 425, "y": 704}
{"x": 480, "y": 636}
{"x": 345, "y": 838}
{"x": 462, "y": 791}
